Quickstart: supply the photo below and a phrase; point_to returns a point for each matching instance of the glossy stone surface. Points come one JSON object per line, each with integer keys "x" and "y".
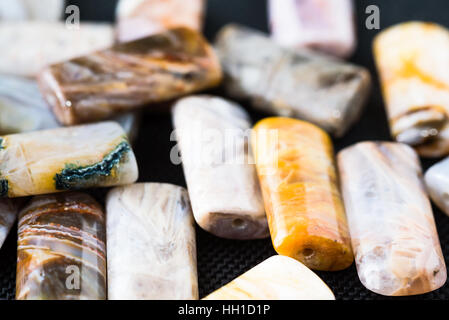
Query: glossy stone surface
{"x": 129, "y": 75}
{"x": 138, "y": 19}
{"x": 297, "y": 173}
{"x": 27, "y": 47}
{"x": 151, "y": 243}
{"x": 277, "y": 278}
{"x": 292, "y": 83}
{"x": 411, "y": 59}
{"x": 43, "y": 10}
{"x": 395, "y": 241}
{"x": 61, "y": 159}
{"x": 8, "y": 213}
{"x": 23, "y": 109}
{"x": 213, "y": 136}
{"x": 61, "y": 251}
{"x": 323, "y": 25}
{"x": 437, "y": 182}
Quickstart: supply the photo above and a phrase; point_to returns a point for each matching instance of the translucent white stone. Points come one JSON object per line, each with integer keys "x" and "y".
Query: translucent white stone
{"x": 393, "y": 233}
{"x": 437, "y": 181}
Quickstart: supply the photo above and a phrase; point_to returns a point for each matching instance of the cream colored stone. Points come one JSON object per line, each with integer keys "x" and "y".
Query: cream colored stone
{"x": 393, "y": 233}
{"x": 277, "y": 278}
{"x": 151, "y": 248}
{"x": 221, "y": 177}
{"x": 48, "y": 161}
{"x": 28, "y": 47}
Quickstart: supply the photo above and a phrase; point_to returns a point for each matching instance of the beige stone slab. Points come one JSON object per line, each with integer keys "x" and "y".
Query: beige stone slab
{"x": 393, "y": 233}
{"x": 213, "y": 136}
{"x": 150, "y": 243}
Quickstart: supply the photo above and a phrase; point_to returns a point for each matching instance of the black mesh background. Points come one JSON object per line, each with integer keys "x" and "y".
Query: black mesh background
{"x": 220, "y": 261}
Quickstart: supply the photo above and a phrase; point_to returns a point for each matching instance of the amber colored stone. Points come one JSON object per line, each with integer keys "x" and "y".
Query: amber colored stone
{"x": 299, "y": 183}
{"x": 130, "y": 75}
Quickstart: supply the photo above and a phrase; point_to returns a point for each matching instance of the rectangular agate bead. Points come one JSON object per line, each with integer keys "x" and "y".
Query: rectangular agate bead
{"x": 129, "y": 75}
{"x": 437, "y": 182}
{"x": 411, "y": 59}
{"x": 137, "y": 18}
{"x": 97, "y": 155}
{"x": 395, "y": 241}
{"x": 213, "y": 136}
{"x": 292, "y": 83}
{"x": 295, "y": 164}
{"x": 323, "y": 25}
{"x": 28, "y": 47}
{"x": 150, "y": 243}
{"x": 9, "y": 209}
{"x": 61, "y": 251}
{"x": 277, "y": 278}
{"x": 23, "y": 109}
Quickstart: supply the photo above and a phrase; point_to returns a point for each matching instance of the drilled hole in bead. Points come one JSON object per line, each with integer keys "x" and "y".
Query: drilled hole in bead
{"x": 238, "y": 223}
{"x": 308, "y": 253}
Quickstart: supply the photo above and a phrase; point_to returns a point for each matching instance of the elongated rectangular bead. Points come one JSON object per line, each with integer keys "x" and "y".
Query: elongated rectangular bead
{"x": 213, "y": 136}
{"x": 292, "y": 83}
{"x": 8, "y": 213}
{"x": 411, "y": 59}
{"x": 23, "y": 109}
{"x": 61, "y": 249}
{"x": 137, "y": 18}
{"x": 61, "y": 159}
{"x": 307, "y": 220}
{"x": 127, "y": 76}
{"x": 277, "y": 278}
{"x": 27, "y": 47}
{"x": 390, "y": 218}
{"x": 151, "y": 243}
{"x": 324, "y": 25}
{"x": 437, "y": 182}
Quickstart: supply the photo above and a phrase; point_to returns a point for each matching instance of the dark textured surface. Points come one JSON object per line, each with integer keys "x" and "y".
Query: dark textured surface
{"x": 220, "y": 261}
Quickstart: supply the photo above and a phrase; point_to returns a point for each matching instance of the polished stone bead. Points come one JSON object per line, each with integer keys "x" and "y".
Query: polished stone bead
{"x": 411, "y": 59}
{"x": 292, "y": 83}
{"x": 138, "y": 19}
{"x": 130, "y": 75}
{"x": 150, "y": 243}
{"x": 295, "y": 164}
{"x": 61, "y": 159}
{"x": 437, "y": 182}
{"x": 323, "y": 25}
{"x": 393, "y": 233}
{"x": 23, "y": 109}
{"x": 42, "y": 10}
{"x": 27, "y": 47}
{"x": 61, "y": 251}
{"x": 9, "y": 209}
{"x": 213, "y": 136}
{"x": 277, "y": 278}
